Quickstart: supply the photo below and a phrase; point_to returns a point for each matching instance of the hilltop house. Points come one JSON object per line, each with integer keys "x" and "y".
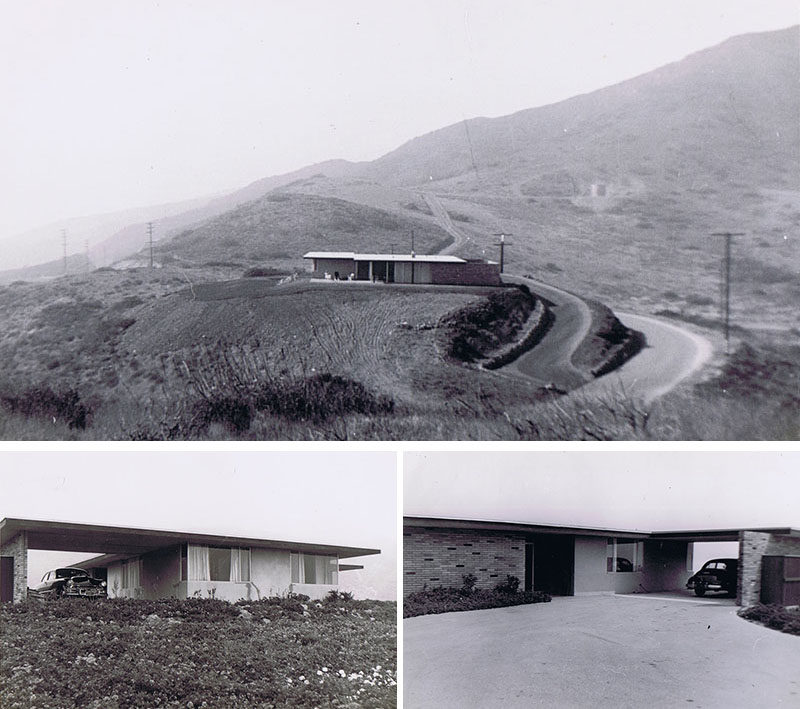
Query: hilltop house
{"x": 568, "y": 561}
{"x": 435, "y": 269}
{"x": 146, "y": 563}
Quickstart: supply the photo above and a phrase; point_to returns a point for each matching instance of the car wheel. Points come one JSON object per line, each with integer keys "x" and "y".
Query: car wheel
{"x": 699, "y": 590}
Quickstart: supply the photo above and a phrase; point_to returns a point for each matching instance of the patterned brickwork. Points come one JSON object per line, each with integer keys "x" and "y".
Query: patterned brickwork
{"x": 18, "y": 548}
{"x": 441, "y": 557}
{"x": 753, "y": 546}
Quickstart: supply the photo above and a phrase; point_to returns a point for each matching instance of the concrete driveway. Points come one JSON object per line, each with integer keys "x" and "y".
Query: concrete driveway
{"x": 599, "y": 651}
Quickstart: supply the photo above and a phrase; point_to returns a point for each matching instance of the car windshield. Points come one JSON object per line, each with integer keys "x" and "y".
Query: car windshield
{"x": 69, "y": 573}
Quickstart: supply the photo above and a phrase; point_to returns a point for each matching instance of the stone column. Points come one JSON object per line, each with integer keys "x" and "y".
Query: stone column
{"x": 17, "y": 547}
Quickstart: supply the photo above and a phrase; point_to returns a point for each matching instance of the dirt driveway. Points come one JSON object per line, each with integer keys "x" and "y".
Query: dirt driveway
{"x": 599, "y": 651}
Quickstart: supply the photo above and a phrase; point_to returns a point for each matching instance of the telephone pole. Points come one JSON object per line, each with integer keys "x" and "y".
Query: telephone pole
{"x": 150, "y": 237}
{"x": 728, "y": 235}
{"x": 64, "y": 244}
{"x": 502, "y": 246}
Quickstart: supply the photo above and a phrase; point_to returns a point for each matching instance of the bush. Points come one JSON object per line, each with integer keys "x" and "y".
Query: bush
{"x": 262, "y": 271}
{"x": 477, "y": 329}
{"x": 774, "y": 616}
{"x": 448, "y": 600}
{"x": 510, "y": 585}
{"x": 42, "y": 401}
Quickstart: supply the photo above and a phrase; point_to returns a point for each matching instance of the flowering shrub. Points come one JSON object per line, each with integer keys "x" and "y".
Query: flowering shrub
{"x": 198, "y": 653}
{"x": 446, "y": 600}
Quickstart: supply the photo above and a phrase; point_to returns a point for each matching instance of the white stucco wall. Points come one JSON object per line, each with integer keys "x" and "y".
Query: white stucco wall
{"x": 590, "y": 566}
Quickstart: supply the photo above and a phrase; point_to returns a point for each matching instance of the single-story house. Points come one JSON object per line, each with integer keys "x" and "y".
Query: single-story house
{"x": 147, "y": 563}
{"x": 568, "y": 561}
{"x": 434, "y": 269}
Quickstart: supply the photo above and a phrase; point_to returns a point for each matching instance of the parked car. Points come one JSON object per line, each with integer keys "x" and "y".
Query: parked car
{"x": 716, "y": 575}
{"x": 70, "y": 581}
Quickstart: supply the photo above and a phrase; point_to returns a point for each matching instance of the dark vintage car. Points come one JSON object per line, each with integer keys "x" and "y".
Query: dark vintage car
{"x": 716, "y": 575}
{"x": 69, "y": 581}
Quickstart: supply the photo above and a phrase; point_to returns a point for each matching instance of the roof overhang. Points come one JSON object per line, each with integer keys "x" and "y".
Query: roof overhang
{"x": 121, "y": 542}
{"x": 517, "y": 527}
{"x": 694, "y": 535}
{"x": 352, "y": 256}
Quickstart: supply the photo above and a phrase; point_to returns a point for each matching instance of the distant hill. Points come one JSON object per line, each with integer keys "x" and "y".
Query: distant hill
{"x": 726, "y": 115}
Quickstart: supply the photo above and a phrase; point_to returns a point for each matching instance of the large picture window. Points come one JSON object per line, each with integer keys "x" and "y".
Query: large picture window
{"x": 624, "y": 555}
{"x": 205, "y": 563}
{"x": 314, "y": 568}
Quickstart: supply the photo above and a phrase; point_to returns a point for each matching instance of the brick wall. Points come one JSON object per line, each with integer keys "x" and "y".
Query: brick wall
{"x": 18, "y": 548}
{"x": 466, "y": 274}
{"x": 440, "y": 557}
{"x": 753, "y": 546}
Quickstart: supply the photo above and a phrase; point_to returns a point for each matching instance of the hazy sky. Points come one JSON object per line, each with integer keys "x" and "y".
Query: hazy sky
{"x": 624, "y": 490}
{"x": 109, "y": 104}
{"x": 330, "y": 498}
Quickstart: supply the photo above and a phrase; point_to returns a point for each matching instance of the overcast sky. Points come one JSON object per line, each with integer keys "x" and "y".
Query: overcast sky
{"x": 648, "y": 491}
{"x": 109, "y": 104}
{"x": 330, "y": 498}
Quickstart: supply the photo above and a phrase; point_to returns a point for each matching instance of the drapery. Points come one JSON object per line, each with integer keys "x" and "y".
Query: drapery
{"x": 236, "y": 566}
{"x": 199, "y": 568}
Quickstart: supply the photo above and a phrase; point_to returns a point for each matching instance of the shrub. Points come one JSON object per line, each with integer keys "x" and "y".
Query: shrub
{"x": 510, "y": 585}
{"x": 468, "y": 583}
{"x": 44, "y": 402}
{"x": 774, "y": 616}
{"x": 448, "y": 600}
{"x": 472, "y": 331}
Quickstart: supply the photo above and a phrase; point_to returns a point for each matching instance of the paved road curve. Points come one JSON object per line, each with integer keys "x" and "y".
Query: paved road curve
{"x": 671, "y": 355}
{"x": 598, "y": 651}
{"x": 550, "y": 362}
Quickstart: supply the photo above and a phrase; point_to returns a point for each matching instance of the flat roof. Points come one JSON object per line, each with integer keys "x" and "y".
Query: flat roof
{"x": 697, "y": 535}
{"x": 352, "y": 256}
{"x": 130, "y": 541}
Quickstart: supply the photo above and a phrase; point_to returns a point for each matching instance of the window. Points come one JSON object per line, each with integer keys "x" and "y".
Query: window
{"x": 131, "y": 573}
{"x": 204, "y": 563}
{"x": 314, "y": 568}
{"x": 623, "y": 555}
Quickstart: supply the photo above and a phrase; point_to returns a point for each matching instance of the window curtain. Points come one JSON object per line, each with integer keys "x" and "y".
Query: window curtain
{"x": 134, "y": 573}
{"x": 199, "y": 567}
{"x": 298, "y": 568}
{"x": 236, "y": 566}
{"x": 321, "y": 563}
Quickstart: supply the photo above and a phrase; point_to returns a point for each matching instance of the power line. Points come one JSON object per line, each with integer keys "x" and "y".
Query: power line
{"x": 727, "y": 282}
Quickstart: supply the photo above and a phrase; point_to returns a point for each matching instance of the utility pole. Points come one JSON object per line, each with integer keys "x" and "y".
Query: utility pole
{"x": 727, "y": 283}
{"x": 502, "y": 246}
{"x": 150, "y": 236}
{"x": 412, "y": 255}
{"x": 64, "y": 244}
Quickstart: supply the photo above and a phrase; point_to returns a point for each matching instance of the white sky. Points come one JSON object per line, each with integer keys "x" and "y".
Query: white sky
{"x": 323, "y": 497}
{"x": 624, "y": 490}
{"x": 109, "y": 104}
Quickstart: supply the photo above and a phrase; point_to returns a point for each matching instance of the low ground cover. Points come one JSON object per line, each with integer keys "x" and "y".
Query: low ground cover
{"x": 468, "y": 598}
{"x": 198, "y": 653}
{"x": 786, "y": 620}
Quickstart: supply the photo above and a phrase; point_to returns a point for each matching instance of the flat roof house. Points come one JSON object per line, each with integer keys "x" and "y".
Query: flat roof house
{"x": 566, "y": 561}
{"x": 434, "y": 269}
{"x": 147, "y": 563}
